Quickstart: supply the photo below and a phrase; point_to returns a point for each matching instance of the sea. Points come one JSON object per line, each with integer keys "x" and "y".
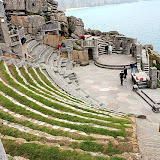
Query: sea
{"x": 139, "y": 20}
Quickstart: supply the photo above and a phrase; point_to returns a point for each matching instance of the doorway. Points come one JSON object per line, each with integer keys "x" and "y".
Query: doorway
{"x": 90, "y": 53}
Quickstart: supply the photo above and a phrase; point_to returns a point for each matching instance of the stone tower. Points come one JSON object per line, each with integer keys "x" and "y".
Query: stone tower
{"x": 3, "y": 155}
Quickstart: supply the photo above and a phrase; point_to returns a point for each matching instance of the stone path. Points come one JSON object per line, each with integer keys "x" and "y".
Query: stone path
{"x": 104, "y": 85}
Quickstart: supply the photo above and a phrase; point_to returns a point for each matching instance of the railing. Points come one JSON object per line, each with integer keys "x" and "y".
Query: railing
{"x": 66, "y": 49}
{"x": 89, "y": 43}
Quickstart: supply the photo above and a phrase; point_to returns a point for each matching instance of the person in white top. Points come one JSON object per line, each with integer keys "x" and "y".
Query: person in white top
{"x": 110, "y": 49}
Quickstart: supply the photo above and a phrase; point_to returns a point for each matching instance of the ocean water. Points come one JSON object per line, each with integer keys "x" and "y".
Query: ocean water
{"x": 139, "y": 20}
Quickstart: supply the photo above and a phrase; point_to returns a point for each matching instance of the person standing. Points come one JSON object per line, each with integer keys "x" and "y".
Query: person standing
{"x": 110, "y": 49}
{"x": 121, "y": 75}
{"x": 125, "y": 72}
{"x": 59, "y": 46}
{"x": 132, "y": 67}
{"x": 83, "y": 37}
{"x": 63, "y": 44}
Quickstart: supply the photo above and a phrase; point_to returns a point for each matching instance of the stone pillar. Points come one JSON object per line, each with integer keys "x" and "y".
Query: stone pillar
{"x": 2, "y": 12}
{"x": 158, "y": 74}
{"x": 1, "y": 53}
{"x": 69, "y": 55}
{"x": 117, "y": 44}
{"x": 153, "y": 77}
{"x": 3, "y": 155}
{"x": 81, "y": 42}
{"x": 138, "y": 50}
{"x": 128, "y": 48}
{"x": 95, "y": 50}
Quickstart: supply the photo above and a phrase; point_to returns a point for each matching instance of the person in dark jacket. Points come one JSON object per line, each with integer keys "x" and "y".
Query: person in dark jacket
{"x": 125, "y": 72}
{"x": 63, "y": 44}
{"x": 121, "y": 75}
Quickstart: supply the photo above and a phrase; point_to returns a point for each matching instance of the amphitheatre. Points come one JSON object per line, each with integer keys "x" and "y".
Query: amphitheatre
{"x": 67, "y": 103}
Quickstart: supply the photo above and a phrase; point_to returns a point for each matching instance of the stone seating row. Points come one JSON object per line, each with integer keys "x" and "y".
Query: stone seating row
{"x": 58, "y": 69}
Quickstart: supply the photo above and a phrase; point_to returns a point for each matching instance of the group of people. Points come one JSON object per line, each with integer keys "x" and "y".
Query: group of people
{"x": 123, "y": 74}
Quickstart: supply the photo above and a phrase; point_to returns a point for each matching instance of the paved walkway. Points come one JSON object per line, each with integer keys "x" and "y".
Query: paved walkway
{"x": 116, "y": 59}
{"x": 104, "y": 85}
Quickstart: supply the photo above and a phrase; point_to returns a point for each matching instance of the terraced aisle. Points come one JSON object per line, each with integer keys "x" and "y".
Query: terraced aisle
{"x": 38, "y": 121}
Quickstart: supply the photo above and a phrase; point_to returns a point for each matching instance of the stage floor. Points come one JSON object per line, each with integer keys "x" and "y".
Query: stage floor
{"x": 116, "y": 59}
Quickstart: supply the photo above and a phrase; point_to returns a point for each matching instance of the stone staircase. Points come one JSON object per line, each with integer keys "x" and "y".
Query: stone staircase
{"x": 102, "y": 47}
{"x": 120, "y": 51}
{"x": 145, "y": 61}
{"x": 146, "y": 68}
{"x": 142, "y": 85}
{"x": 149, "y": 139}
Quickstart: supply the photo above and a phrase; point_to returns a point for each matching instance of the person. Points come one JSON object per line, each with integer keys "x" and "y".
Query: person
{"x": 121, "y": 75}
{"x": 125, "y": 72}
{"x": 132, "y": 67}
{"x": 63, "y": 44}
{"x": 110, "y": 49}
{"x": 83, "y": 37}
{"x": 99, "y": 46}
{"x": 59, "y": 46}
{"x": 106, "y": 49}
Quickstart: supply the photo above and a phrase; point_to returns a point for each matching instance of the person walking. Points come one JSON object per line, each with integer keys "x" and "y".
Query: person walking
{"x": 125, "y": 72}
{"x": 121, "y": 75}
{"x": 132, "y": 67}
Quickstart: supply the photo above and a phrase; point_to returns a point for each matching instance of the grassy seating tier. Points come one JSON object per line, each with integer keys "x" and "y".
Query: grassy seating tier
{"x": 29, "y": 100}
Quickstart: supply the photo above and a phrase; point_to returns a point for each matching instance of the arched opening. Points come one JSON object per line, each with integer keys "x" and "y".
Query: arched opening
{"x": 90, "y": 53}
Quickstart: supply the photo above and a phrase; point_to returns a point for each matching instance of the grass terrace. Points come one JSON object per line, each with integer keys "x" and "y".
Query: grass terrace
{"x": 38, "y": 121}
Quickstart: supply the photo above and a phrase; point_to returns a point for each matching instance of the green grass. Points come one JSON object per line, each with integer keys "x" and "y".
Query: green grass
{"x": 85, "y": 128}
{"x": 57, "y": 106}
{"x": 96, "y": 147}
{"x": 5, "y": 130}
{"x": 35, "y": 152}
{"x": 48, "y": 130}
{"x": 31, "y": 70}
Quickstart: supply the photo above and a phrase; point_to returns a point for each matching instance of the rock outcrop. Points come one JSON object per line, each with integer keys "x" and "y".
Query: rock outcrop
{"x": 34, "y": 6}
{"x": 76, "y": 26}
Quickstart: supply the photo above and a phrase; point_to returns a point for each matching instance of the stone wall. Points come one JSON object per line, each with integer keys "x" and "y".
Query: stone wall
{"x": 80, "y": 57}
{"x": 31, "y": 23}
{"x": 51, "y": 40}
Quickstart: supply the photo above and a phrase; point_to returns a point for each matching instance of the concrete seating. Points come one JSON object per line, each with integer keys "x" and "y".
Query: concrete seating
{"x": 58, "y": 69}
